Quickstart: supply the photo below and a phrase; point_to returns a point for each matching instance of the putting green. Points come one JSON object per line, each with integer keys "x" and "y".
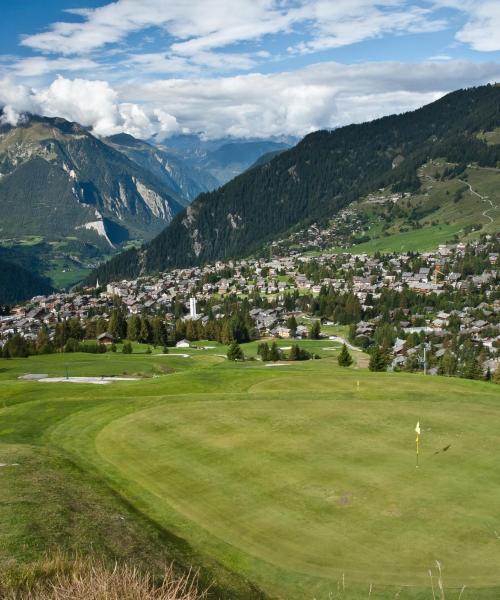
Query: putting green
{"x": 302, "y": 492}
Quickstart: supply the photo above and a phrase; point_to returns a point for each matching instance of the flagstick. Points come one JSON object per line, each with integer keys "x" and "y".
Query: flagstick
{"x": 417, "y": 452}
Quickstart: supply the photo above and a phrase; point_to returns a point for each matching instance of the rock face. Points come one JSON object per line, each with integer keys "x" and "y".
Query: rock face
{"x": 184, "y": 180}
{"x": 58, "y": 180}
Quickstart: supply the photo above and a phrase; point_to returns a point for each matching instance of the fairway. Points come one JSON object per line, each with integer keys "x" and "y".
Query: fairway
{"x": 292, "y": 479}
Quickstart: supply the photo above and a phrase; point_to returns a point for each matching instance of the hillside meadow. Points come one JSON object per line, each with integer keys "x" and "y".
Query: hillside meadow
{"x": 290, "y": 481}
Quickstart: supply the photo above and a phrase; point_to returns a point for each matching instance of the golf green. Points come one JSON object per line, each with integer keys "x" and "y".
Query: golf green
{"x": 325, "y": 488}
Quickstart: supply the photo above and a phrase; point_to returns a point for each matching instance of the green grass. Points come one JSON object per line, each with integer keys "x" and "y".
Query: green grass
{"x": 446, "y": 218}
{"x": 66, "y": 278}
{"x": 290, "y": 477}
{"x": 424, "y": 239}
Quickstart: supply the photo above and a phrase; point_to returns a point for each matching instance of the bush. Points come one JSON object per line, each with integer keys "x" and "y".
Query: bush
{"x": 298, "y": 353}
{"x": 127, "y": 348}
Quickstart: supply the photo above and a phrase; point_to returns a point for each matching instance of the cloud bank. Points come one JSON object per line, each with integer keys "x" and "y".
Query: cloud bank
{"x": 325, "y": 95}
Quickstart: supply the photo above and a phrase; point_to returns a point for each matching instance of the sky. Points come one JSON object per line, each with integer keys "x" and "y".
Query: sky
{"x": 239, "y": 68}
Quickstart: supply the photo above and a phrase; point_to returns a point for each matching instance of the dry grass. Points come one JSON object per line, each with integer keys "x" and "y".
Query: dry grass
{"x": 57, "y": 578}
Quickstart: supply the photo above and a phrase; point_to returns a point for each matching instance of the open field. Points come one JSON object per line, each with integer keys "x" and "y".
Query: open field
{"x": 289, "y": 482}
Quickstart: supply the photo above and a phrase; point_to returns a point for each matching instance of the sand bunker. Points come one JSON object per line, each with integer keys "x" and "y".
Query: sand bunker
{"x": 94, "y": 380}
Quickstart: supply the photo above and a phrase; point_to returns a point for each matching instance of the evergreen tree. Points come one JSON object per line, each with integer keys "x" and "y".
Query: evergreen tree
{"x": 191, "y": 333}
{"x": 235, "y": 352}
{"x": 274, "y": 353}
{"x": 315, "y": 330}
{"x": 146, "y": 332}
{"x": 226, "y": 333}
{"x": 292, "y": 325}
{"x": 17, "y": 347}
{"x": 160, "y": 335}
{"x": 448, "y": 365}
{"x": 344, "y": 359}
{"x": 134, "y": 328}
{"x": 472, "y": 369}
{"x": 101, "y": 326}
{"x": 263, "y": 351}
{"x": 43, "y": 343}
{"x": 118, "y": 324}
{"x": 127, "y": 348}
{"x": 378, "y": 360}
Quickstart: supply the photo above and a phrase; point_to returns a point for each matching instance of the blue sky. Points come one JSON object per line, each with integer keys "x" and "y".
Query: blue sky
{"x": 243, "y": 68}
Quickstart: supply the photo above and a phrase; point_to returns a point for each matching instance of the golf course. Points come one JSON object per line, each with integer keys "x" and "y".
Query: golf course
{"x": 290, "y": 480}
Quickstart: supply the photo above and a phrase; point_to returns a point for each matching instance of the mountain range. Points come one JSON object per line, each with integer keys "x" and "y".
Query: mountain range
{"x": 322, "y": 175}
{"x": 70, "y": 199}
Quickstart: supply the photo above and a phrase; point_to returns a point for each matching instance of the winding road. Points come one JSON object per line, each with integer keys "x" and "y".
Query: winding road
{"x": 483, "y": 199}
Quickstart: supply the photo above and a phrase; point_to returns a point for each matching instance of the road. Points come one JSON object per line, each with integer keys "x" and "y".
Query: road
{"x": 483, "y": 199}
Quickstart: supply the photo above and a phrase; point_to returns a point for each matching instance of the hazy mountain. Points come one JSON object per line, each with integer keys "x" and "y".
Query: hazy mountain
{"x": 324, "y": 173}
{"x": 223, "y": 159}
{"x": 184, "y": 180}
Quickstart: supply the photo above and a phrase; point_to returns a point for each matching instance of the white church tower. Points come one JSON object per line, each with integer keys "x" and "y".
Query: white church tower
{"x": 192, "y": 308}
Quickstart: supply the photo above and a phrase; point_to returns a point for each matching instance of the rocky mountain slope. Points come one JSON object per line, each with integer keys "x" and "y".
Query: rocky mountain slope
{"x": 320, "y": 176}
{"x": 57, "y": 179}
{"x": 184, "y": 180}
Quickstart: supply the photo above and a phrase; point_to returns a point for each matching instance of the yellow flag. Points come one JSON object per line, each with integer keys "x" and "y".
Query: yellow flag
{"x": 417, "y": 428}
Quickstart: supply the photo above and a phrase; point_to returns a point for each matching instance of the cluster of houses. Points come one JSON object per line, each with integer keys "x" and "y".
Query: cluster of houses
{"x": 350, "y": 224}
{"x": 362, "y": 275}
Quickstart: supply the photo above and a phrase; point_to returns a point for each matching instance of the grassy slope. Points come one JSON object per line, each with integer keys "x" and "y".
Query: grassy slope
{"x": 287, "y": 475}
{"x": 448, "y": 219}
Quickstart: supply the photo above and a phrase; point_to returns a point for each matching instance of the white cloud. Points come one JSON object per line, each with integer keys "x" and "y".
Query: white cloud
{"x": 90, "y": 103}
{"x": 318, "y": 96}
{"x": 204, "y": 24}
{"x": 482, "y": 22}
{"x": 199, "y": 29}
{"x": 482, "y": 31}
{"x": 35, "y": 66}
{"x": 337, "y": 24}
{"x": 323, "y": 95}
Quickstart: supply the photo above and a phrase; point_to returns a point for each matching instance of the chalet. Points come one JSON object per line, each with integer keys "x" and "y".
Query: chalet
{"x": 105, "y": 338}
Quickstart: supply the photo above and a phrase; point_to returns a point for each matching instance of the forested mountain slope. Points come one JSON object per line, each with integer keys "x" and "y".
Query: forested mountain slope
{"x": 17, "y": 283}
{"x": 324, "y": 173}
